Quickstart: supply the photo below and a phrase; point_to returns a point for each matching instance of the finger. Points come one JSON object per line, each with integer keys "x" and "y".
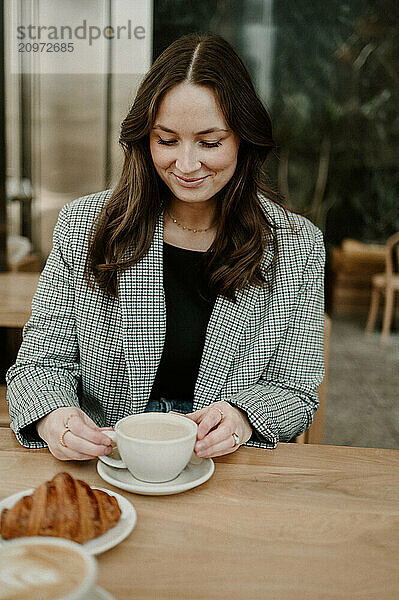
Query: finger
{"x": 226, "y": 446}
{"x": 105, "y": 429}
{"x": 86, "y": 419}
{"x": 86, "y": 447}
{"x": 68, "y": 454}
{"x": 90, "y": 423}
{"x": 201, "y": 412}
{"x": 79, "y": 428}
{"x": 220, "y": 450}
{"x": 194, "y": 416}
{"x": 210, "y": 420}
{"x": 218, "y": 435}
{"x": 73, "y": 455}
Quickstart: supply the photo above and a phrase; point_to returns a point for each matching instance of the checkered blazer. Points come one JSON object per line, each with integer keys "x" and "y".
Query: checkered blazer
{"x": 80, "y": 347}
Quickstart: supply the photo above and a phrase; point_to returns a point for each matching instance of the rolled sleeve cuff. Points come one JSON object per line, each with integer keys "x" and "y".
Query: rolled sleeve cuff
{"x": 263, "y": 436}
{"x": 23, "y": 424}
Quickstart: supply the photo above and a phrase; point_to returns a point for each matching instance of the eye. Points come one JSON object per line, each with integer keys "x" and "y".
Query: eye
{"x": 211, "y": 144}
{"x": 165, "y": 142}
{"x": 205, "y": 144}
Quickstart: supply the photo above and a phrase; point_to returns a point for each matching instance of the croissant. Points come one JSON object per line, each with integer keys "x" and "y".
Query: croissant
{"x": 63, "y": 507}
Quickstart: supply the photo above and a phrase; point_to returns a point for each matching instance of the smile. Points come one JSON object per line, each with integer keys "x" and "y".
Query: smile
{"x": 190, "y": 182}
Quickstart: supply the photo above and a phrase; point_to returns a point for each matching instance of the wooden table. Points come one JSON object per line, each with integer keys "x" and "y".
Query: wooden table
{"x": 299, "y": 522}
{"x": 16, "y": 293}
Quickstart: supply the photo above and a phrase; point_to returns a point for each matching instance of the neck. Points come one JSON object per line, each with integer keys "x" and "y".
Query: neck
{"x": 198, "y": 215}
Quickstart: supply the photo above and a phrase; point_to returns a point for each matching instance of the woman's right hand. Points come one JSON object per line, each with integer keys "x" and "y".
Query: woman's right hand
{"x": 83, "y": 439}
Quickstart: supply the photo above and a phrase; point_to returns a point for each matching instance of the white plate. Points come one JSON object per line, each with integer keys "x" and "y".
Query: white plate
{"x": 194, "y": 474}
{"x": 107, "y": 540}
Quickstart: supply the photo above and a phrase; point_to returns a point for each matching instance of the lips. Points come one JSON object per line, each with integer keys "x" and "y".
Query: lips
{"x": 190, "y": 180}
{"x": 190, "y": 183}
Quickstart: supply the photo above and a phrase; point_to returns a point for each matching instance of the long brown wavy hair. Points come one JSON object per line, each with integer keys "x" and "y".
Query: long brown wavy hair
{"x": 123, "y": 231}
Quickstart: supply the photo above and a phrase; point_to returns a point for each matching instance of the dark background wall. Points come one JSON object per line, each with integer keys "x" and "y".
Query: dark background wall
{"x": 334, "y": 98}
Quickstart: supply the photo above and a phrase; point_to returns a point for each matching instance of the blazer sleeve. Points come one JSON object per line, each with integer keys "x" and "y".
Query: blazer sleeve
{"x": 47, "y": 370}
{"x": 282, "y": 404}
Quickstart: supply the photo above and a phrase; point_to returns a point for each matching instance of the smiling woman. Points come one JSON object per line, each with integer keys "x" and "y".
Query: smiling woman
{"x": 195, "y": 163}
{"x": 184, "y": 154}
{"x": 186, "y": 287}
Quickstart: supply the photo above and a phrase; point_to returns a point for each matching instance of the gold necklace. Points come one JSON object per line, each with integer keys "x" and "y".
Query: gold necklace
{"x": 188, "y": 228}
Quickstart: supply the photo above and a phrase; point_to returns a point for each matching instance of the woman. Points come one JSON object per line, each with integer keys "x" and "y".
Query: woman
{"x": 184, "y": 288}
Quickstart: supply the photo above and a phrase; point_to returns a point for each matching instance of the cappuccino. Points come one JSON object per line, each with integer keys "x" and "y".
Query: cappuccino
{"x": 150, "y": 430}
{"x": 35, "y": 568}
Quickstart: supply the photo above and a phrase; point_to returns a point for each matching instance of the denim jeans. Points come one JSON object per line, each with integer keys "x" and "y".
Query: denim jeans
{"x": 167, "y": 404}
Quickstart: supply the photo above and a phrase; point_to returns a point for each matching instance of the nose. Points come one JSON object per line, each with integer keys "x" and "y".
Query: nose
{"x": 186, "y": 160}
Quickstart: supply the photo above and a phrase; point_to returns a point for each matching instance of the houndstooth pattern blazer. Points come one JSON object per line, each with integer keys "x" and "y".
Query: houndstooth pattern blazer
{"x": 80, "y": 347}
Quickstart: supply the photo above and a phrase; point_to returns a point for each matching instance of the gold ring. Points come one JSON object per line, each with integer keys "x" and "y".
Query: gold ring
{"x": 236, "y": 439}
{"x": 62, "y": 443}
{"x": 221, "y": 413}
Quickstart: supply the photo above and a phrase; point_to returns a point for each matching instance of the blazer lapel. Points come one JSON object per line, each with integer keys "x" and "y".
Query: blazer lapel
{"x": 143, "y": 313}
{"x": 225, "y": 329}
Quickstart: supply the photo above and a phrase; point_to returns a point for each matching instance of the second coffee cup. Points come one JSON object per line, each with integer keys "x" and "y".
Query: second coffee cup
{"x": 155, "y": 447}
{"x": 37, "y": 568}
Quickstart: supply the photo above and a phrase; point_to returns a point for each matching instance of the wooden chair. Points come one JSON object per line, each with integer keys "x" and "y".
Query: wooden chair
{"x": 385, "y": 284}
{"x": 4, "y": 416}
{"x": 314, "y": 434}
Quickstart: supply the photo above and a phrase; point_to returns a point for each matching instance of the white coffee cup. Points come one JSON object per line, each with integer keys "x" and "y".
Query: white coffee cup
{"x": 155, "y": 447}
{"x": 45, "y": 567}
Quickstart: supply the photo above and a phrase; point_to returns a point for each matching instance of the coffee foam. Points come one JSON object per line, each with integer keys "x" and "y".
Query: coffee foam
{"x": 37, "y": 572}
{"x": 154, "y": 430}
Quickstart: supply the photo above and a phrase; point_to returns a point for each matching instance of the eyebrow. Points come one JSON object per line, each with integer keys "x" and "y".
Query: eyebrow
{"x": 211, "y": 130}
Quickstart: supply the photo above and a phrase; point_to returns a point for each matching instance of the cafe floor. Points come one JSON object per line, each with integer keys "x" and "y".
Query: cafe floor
{"x": 363, "y": 387}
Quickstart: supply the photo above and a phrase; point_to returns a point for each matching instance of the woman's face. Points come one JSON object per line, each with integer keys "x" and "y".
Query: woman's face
{"x": 195, "y": 163}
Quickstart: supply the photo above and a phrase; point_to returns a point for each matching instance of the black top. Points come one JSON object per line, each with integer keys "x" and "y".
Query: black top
{"x": 187, "y": 316}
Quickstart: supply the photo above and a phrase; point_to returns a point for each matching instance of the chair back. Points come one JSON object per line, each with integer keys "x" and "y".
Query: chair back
{"x": 392, "y": 255}
{"x": 314, "y": 434}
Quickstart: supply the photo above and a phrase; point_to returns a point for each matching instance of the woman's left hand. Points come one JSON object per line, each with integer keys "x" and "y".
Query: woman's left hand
{"x": 216, "y": 425}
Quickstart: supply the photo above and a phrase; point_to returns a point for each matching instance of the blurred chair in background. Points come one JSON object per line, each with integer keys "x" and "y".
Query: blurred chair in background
{"x": 16, "y": 293}
{"x": 352, "y": 266}
{"x": 385, "y": 284}
{"x": 314, "y": 434}
{"x": 4, "y": 416}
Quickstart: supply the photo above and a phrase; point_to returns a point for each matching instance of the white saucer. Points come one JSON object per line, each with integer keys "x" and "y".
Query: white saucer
{"x": 193, "y": 475}
{"x": 100, "y": 594}
{"x": 104, "y": 542}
